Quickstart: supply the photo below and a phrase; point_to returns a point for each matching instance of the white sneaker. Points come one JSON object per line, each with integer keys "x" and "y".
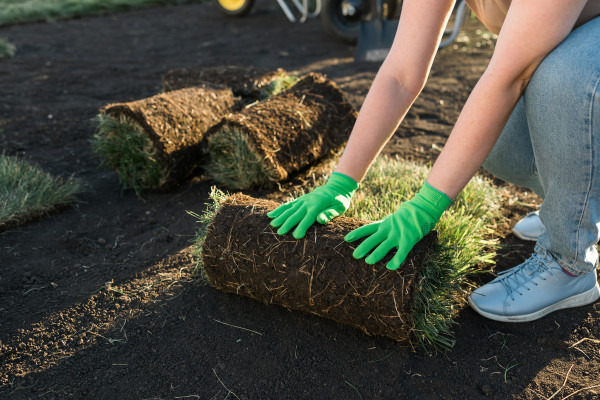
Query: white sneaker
{"x": 533, "y": 289}
{"x": 530, "y": 227}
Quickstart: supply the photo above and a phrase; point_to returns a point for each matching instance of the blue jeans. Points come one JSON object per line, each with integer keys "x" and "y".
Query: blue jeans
{"x": 551, "y": 145}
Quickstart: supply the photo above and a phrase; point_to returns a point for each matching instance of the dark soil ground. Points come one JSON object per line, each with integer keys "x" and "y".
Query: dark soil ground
{"x": 99, "y": 301}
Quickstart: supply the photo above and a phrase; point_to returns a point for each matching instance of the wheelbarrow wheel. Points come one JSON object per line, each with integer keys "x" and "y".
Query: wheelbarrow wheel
{"x": 236, "y": 8}
{"x": 340, "y": 23}
{"x": 342, "y": 17}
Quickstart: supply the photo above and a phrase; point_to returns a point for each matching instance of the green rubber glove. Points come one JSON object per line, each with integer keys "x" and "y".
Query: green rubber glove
{"x": 322, "y": 204}
{"x": 402, "y": 230}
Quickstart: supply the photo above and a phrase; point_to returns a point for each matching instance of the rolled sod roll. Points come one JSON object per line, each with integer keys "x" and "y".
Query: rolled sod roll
{"x": 155, "y": 143}
{"x": 245, "y": 81}
{"x": 243, "y": 254}
{"x": 275, "y": 138}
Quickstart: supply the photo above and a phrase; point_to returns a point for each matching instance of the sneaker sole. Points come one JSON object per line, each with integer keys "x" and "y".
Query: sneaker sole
{"x": 523, "y": 237}
{"x": 578, "y": 300}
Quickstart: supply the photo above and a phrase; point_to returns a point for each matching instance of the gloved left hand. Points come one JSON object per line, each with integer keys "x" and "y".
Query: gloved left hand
{"x": 321, "y": 205}
{"x": 402, "y": 229}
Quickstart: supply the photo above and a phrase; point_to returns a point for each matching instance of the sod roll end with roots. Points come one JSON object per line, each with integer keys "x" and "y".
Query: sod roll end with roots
{"x": 242, "y": 254}
{"x": 273, "y": 139}
{"x": 155, "y": 143}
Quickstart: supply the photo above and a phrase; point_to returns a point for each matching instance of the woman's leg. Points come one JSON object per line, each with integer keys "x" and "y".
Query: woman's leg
{"x": 562, "y": 110}
{"x": 562, "y": 105}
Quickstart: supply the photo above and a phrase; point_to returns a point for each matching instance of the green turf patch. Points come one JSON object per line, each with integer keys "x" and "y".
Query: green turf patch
{"x": 27, "y": 192}
{"x": 7, "y": 49}
{"x": 19, "y": 11}
{"x": 122, "y": 145}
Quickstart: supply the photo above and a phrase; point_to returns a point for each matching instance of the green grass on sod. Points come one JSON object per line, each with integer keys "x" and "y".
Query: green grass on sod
{"x": 18, "y": 11}
{"x": 278, "y": 85}
{"x": 7, "y": 49}
{"x": 122, "y": 145}
{"x": 204, "y": 220}
{"x": 465, "y": 245}
{"x": 27, "y": 192}
{"x": 234, "y": 161}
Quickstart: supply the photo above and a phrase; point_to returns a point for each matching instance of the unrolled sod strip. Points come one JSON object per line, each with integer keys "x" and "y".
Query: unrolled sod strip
{"x": 242, "y": 254}
{"x": 269, "y": 141}
{"x": 245, "y": 81}
{"x": 155, "y": 143}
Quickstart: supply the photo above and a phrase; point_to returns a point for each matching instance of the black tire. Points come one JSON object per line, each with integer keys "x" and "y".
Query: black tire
{"x": 339, "y": 25}
{"x": 235, "y": 8}
{"x": 347, "y": 28}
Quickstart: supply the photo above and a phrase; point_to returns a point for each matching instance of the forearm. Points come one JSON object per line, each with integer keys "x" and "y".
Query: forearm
{"x": 478, "y": 127}
{"x": 397, "y": 84}
{"x": 497, "y": 92}
{"x": 384, "y": 108}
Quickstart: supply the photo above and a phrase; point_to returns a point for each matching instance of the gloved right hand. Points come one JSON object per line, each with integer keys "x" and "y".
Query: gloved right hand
{"x": 322, "y": 204}
{"x": 401, "y": 230}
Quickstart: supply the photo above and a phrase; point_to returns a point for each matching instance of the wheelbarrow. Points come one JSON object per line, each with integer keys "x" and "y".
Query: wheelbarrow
{"x": 346, "y": 19}
{"x": 340, "y": 17}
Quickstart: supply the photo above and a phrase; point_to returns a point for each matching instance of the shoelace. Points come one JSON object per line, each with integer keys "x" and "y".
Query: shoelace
{"x": 522, "y": 274}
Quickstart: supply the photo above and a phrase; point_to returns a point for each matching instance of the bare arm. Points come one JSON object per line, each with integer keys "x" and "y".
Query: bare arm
{"x": 397, "y": 84}
{"x": 532, "y": 29}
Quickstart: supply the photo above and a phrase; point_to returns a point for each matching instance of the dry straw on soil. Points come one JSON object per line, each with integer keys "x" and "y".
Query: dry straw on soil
{"x": 155, "y": 143}
{"x": 269, "y": 141}
{"x": 243, "y": 254}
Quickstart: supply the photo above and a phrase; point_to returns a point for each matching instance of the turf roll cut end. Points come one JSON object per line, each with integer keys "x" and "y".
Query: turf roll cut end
{"x": 241, "y": 253}
{"x": 284, "y": 134}
{"x": 208, "y": 215}
{"x": 124, "y": 147}
{"x": 235, "y": 160}
{"x": 157, "y": 142}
